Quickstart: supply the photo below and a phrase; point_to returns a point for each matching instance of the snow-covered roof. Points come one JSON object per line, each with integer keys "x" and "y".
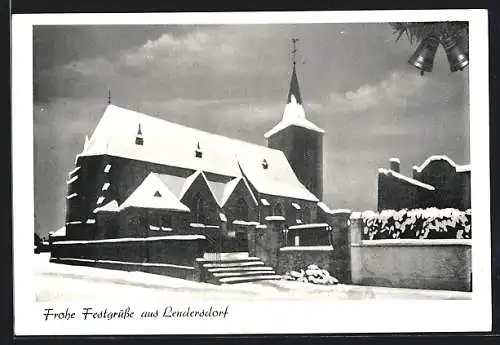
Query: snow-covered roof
{"x": 406, "y": 179}
{"x": 115, "y": 136}
{"x": 294, "y": 115}
{"x": 111, "y": 206}
{"x": 394, "y": 159}
{"x": 264, "y": 202}
{"x": 458, "y": 168}
{"x": 231, "y": 186}
{"x": 152, "y": 193}
{"x": 61, "y": 232}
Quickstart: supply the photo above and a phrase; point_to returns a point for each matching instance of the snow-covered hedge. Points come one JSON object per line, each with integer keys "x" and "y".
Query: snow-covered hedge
{"x": 430, "y": 223}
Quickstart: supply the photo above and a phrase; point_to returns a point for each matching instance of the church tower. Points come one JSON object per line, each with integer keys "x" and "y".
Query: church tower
{"x": 299, "y": 139}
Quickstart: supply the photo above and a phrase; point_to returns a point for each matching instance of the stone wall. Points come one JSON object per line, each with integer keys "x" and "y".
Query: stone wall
{"x": 159, "y": 254}
{"x": 419, "y": 264}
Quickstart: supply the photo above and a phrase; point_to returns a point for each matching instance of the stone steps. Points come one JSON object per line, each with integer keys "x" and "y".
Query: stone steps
{"x": 234, "y": 280}
{"x": 239, "y": 269}
{"x": 232, "y": 268}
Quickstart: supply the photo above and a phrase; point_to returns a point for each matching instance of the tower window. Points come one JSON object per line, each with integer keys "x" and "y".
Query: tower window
{"x": 198, "y": 153}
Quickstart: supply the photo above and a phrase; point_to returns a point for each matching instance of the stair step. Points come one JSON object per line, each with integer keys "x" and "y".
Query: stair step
{"x": 242, "y": 274}
{"x": 226, "y": 256}
{"x": 233, "y": 264}
{"x": 227, "y": 259}
{"x": 234, "y": 280}
{"x": 238, "y": 269}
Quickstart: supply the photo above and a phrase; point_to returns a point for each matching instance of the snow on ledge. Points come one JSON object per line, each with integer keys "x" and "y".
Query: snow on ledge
{"x": 275, "y": 218}
{"x": 405, "y": 178}
{"x": 394, "y": 159}
{"x": 355, "y": 215}
{"x": 414, "y": 242}
{"x": 308, "y": 226}
{"x": 136, "y": 239}
{"x": 307, "y": 248}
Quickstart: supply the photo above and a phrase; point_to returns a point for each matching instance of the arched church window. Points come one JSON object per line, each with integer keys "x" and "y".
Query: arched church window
{"x": 307, "y": 215}
{"x": 199, "y": 209}
{"x": 241, "y": 209}
{"x": 278, "y": 209}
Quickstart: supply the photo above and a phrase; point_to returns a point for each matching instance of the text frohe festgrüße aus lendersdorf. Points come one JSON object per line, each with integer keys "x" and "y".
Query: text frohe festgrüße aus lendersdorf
{"x": 89, "y": 313}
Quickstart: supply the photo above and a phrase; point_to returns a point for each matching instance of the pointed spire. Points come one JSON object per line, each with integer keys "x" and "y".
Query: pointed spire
{"x": 294, "y": 88}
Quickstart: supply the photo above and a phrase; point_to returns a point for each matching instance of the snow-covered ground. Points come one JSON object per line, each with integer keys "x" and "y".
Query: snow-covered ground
{"x": 58, "y": 282}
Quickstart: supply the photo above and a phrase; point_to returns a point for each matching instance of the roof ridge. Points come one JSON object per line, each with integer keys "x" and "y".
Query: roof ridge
{"x": 138, "y": 113}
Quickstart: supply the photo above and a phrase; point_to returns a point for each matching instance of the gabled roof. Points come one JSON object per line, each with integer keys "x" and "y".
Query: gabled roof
{"x": 294, "y": 114}
{"x": 458, "y": 168}
{"x": 277, "y": 179}
{"x": 115, "y": 136}
{"x": 231, "y": 186}
{"x": 152, "y": 193}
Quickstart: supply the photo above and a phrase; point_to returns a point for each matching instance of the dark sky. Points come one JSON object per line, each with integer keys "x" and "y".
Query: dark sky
{"x": 233, "y": 80}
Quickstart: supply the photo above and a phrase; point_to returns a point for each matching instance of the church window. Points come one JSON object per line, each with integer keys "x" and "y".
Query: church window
{"x": 242, "y": 210}
{"x": 199, "y": 209}
{"x": 278, "y": 209}
{"x": 307, "y": 215}
{"x": 297, "y": 241}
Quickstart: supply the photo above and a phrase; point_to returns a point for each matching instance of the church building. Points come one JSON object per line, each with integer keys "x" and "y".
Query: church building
{"x": 142, "y": 176}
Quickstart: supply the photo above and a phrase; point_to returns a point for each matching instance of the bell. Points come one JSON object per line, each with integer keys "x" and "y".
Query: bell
{"x": 423, "y": 58}
{"x": 457, "y": 57}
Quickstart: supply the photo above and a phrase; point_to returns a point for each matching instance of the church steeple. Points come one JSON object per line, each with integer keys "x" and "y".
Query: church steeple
{"x": 294, "y": 87}
{"x": 298, "y": 138}
{"x": 294, "y": 82}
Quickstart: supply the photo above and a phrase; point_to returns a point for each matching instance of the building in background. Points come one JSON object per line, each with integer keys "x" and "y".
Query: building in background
{"x": 438, "y": 182}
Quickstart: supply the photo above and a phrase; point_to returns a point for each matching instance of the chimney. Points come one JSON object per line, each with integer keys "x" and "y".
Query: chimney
{"x": 414, "y": 171}
{"x": 394, "y": 164}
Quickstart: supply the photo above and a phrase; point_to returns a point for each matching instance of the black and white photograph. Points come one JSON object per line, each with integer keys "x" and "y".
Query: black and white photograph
{"x": 251, "y": 173}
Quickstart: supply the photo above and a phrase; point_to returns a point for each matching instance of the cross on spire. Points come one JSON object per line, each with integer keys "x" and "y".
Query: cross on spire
{"x": 294, "y": 49}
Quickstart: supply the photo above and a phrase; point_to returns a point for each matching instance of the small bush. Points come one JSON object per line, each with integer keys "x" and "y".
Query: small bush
{"x": 430, "y": 223}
